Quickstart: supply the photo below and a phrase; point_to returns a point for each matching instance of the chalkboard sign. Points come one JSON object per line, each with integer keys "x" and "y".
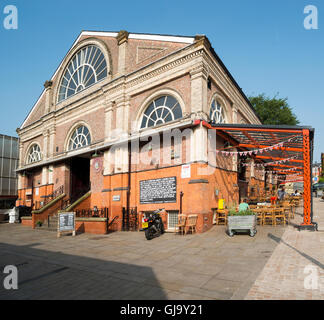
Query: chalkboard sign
{"x": 66, "y": 222}
{"x": 162, "y": 190}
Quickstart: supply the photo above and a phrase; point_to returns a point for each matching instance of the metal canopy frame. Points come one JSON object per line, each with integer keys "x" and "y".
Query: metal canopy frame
{"x": 296, "y": 152}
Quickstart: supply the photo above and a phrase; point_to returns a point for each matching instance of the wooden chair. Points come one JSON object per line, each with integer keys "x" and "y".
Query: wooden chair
{"x": 181, "y": 226}
{"x": 191, "y": 223}
{"x": 221, "y": 217}
{"x": 293, "y": 209}
{"x": 289, "y": 211}
{"x": 268, "y": 216}
{"x": 259, "y": 216}
{"x": 279, "y": 216}
{"x": 285, "y": 203}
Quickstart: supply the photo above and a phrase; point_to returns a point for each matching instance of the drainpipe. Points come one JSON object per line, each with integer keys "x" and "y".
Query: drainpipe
{"x": 181, "y": 196}
{"x": 32, "y": 193}
{"x": 129, "y": 177}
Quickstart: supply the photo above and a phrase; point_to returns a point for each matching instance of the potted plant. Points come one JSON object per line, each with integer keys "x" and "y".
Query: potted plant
{"x": 39, "y": 223}
{"x": 241, "y": 221}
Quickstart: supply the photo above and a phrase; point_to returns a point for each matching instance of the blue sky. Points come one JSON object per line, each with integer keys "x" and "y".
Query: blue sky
{"x": 263, "y": 44}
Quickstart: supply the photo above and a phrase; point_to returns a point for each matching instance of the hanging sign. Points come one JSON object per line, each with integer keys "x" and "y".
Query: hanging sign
{"x": 97, "y": 164}
{"x": 186, "y": 171}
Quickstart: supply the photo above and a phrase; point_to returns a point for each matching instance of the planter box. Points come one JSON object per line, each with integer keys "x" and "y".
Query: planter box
{"x": 242, "y": 223}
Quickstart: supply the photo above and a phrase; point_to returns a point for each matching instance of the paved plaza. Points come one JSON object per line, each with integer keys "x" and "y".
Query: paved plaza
{"x": 124, "y": 265}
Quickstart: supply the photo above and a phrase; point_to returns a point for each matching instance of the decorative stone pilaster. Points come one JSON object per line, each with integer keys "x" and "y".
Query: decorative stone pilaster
{"x": 44, "y": 176}
{"x": 234, "y": 114}
{"x": 50, "y": 174}
{"x": 20, "y": 181}
{"x": 199, "y": 144}
{"x": 51, "y": 151}
{"x": 48, "y": 96}
{"x": 122, "y": 39}
{"x": 21, "y": 155}
{"x": 45, "y": 144}
{"x": 109, "y": 108}
{"x": 199, "y": 76}
{"x": 107, "y": 165}
{"x": 122, "y": 114}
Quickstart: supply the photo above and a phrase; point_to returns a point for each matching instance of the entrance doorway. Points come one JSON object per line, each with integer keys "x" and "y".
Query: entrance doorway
{"x": 173, "y": 218}
{"x": 80, "y": 177}
{"x": 241, "y": 178}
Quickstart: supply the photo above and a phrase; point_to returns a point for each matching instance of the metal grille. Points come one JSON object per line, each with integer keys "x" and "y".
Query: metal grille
{"x": 172, "y": 219}
{"x": 130, "y": 219}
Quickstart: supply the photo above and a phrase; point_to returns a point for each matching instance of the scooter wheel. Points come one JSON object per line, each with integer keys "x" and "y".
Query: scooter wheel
{"x": 162, "y": 229}
{"x": 149, "y": 234}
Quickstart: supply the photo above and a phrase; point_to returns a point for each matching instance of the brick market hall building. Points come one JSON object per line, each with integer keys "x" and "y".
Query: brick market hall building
{"x": 89, "y": 142}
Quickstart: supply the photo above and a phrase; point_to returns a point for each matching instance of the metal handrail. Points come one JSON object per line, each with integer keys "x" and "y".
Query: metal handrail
{"x": 92, "y": 213}
{"x": 40, "y": 204}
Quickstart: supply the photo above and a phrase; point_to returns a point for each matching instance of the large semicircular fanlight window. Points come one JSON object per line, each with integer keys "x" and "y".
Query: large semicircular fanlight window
{"x": 87, "y": 67}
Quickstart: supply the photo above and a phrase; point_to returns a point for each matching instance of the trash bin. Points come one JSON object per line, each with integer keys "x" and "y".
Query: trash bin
{"x": 13, "y": 215}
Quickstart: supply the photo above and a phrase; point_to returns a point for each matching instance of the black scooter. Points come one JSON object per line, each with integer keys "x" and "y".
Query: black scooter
{"x": 153, "y": 225}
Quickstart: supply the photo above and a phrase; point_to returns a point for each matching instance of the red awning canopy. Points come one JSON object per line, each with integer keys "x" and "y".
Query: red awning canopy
{"x": 285, "y": 150}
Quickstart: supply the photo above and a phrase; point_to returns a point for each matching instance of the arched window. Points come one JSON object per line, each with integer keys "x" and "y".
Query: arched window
{"x": 162, "y": 110}
{"x": 80, "y": 138}
{"x": 34, "y": 154}
{"x": 87, "y": 67}
{"x": 243, "y": 121}
{"x": 217, "y": 112}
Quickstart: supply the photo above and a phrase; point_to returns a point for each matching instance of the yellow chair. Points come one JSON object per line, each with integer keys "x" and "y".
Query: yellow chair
{"x": 221, "y": 217}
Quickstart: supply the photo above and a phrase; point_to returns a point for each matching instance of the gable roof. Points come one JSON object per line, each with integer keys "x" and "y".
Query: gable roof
{"x": 138, "y": 36}
{"x": 142, "y": 36}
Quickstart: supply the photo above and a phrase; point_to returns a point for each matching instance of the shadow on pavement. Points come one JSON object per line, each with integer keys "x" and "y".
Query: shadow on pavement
{"x": 58, "y": 276}
{"x": 278, "y": 240}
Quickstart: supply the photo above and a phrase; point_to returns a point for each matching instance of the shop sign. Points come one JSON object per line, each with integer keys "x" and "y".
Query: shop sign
{"x": 116, "y": 198}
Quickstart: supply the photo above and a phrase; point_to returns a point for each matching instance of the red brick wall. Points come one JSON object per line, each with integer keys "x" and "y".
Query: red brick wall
{"x": 95, "y": 227}
{"x": 27, "y": 223}
{"x": 180, "y": 85}
{"x": 140, "y": 54}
